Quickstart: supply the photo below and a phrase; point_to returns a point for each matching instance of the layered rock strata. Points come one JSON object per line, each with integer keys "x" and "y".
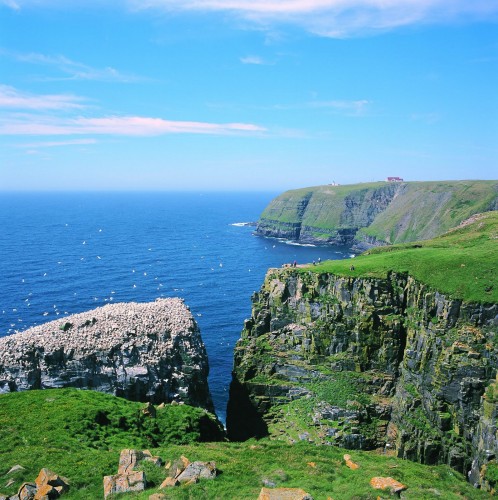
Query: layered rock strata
{"x": 139, "y": 351}
{"x": 369, "y": 364}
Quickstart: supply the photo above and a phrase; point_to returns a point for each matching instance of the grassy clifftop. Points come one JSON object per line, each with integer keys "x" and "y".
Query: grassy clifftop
{"x": 376, "y": 213}
{"x": 462, "y": 262}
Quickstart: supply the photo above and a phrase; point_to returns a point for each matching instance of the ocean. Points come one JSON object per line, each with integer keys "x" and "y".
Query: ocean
{"x": 63, "y": 253}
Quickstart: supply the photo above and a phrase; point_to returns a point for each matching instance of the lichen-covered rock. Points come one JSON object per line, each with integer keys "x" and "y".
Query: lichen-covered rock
{"x": 124, "y": 483}
{"x": 139, "y": 351}
{"x": 366, "y": 363}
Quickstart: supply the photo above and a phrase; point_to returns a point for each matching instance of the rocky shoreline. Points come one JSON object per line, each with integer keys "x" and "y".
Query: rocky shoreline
{"x": 141, "y": 351}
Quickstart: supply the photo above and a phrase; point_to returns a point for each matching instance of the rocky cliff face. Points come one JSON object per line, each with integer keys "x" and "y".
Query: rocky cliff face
{"x": 369, "y": 363}
{"x": 142, "y": 352}
{"x": 366, "y": 215}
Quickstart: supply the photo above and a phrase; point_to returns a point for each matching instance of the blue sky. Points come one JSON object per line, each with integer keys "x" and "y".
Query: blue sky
{"x": 245, "y": 95}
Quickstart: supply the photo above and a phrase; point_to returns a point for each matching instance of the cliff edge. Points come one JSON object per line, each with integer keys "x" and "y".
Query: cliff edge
{"x": 372, "y": 214}
{"x": 374, "y": 356}
{"x": 139, "y": 351}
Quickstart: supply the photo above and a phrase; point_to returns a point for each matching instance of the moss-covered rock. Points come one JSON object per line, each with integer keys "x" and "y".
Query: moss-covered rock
{"x": 368, "y": 363}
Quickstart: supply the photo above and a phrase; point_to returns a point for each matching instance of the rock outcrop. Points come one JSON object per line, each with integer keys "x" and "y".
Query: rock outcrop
{"x": 381, "y": 213}
{"x": 140, "y": 351}
{"x": 370, "y": 364}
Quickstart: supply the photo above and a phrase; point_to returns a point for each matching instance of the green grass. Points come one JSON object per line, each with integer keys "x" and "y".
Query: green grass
{"x": 461, "y": 263}
{"x": 47, "y": 429}
{"x": 417, "y": 210}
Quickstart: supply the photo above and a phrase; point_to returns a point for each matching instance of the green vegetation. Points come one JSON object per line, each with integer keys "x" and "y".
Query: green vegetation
{"x": 48, "y": 429}
{"x": 461, "y": 263}
{"x": 387, "y": 212}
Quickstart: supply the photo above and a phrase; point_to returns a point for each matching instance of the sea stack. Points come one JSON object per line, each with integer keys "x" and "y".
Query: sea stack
{"x": 140, "y": 351}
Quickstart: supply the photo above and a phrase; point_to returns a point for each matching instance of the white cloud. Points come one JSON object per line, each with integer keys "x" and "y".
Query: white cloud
{"x": 337, "y": 18}
{"x": 73, "y": 70}
{"x": 118, "y": 125}
{"x": 11, "y": 4}
{"x": 15, "y": 99}
{"x": 254, "y": 60}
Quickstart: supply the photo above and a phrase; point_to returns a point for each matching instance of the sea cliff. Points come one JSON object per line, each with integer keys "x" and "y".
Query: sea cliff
{"x": 372, "y": 214}
{"x": 140, "y": 351}
{"x": 395, "y": 351}
{"x": 367, "y": 364}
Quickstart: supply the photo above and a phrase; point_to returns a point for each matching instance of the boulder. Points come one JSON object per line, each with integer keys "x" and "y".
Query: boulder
{"x": 124, "y": 483}
{"x": 47, "y": 478}
{"x": 197, "y": 470}
{"x": 169, "y": 482}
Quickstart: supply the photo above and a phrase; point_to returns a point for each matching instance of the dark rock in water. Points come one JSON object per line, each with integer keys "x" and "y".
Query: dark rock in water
{"x": 142, "y": 352}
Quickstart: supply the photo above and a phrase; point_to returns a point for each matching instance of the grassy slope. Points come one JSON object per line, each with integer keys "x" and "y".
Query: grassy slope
{"x": 43, "y": 429}
{"x": 461, "y": 263}
{"x": 422, "y": 209}
{"x": 427, "y": 209}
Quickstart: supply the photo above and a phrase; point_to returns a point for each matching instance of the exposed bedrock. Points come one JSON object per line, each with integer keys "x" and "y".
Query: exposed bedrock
{"x": 369, "y": 364}
{"x": 139, "y": 351}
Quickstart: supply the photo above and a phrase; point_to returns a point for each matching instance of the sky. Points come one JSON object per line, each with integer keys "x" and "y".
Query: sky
{"x": 252, "y": 95}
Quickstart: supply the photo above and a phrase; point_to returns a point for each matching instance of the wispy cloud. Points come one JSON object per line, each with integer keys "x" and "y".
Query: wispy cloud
{"x": 72, "y": 70}
{"x": 15, "y": 99}
{"x": 57, "y": 144}
{"x": 11, "y": 4}
{"x": 338, "y": 18}
{"x": 356, "y": 107}
{"x": 118, "y": 125}
{"x": 255, "y": 60}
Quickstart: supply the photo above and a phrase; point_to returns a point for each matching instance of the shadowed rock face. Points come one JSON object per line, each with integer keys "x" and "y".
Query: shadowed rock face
{"x": 142, "y": 352}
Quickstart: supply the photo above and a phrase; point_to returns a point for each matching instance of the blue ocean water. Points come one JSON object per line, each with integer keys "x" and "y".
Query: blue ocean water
{"x": 62, "y": 253}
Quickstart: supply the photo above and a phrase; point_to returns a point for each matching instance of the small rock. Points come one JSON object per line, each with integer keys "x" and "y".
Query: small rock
{"x": 168, "y": 483}
{"x": 387, "y": 483}
{"x": 46, "y": 477}
{"x": 46, "y": 492}
{"x": 15, "y": 468}
{"x": 349, "y": 463}
{"x": 269, "y": 483}
{"x": 27, "y": 491}
{"x": 128, "y": 460}
{"x": 157, "y": 496}
{"x": 196, "y": 471}
{"x": 124, "y": 483}
{"x": 176, "y": 468}
{"x": 283, "y": 494}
